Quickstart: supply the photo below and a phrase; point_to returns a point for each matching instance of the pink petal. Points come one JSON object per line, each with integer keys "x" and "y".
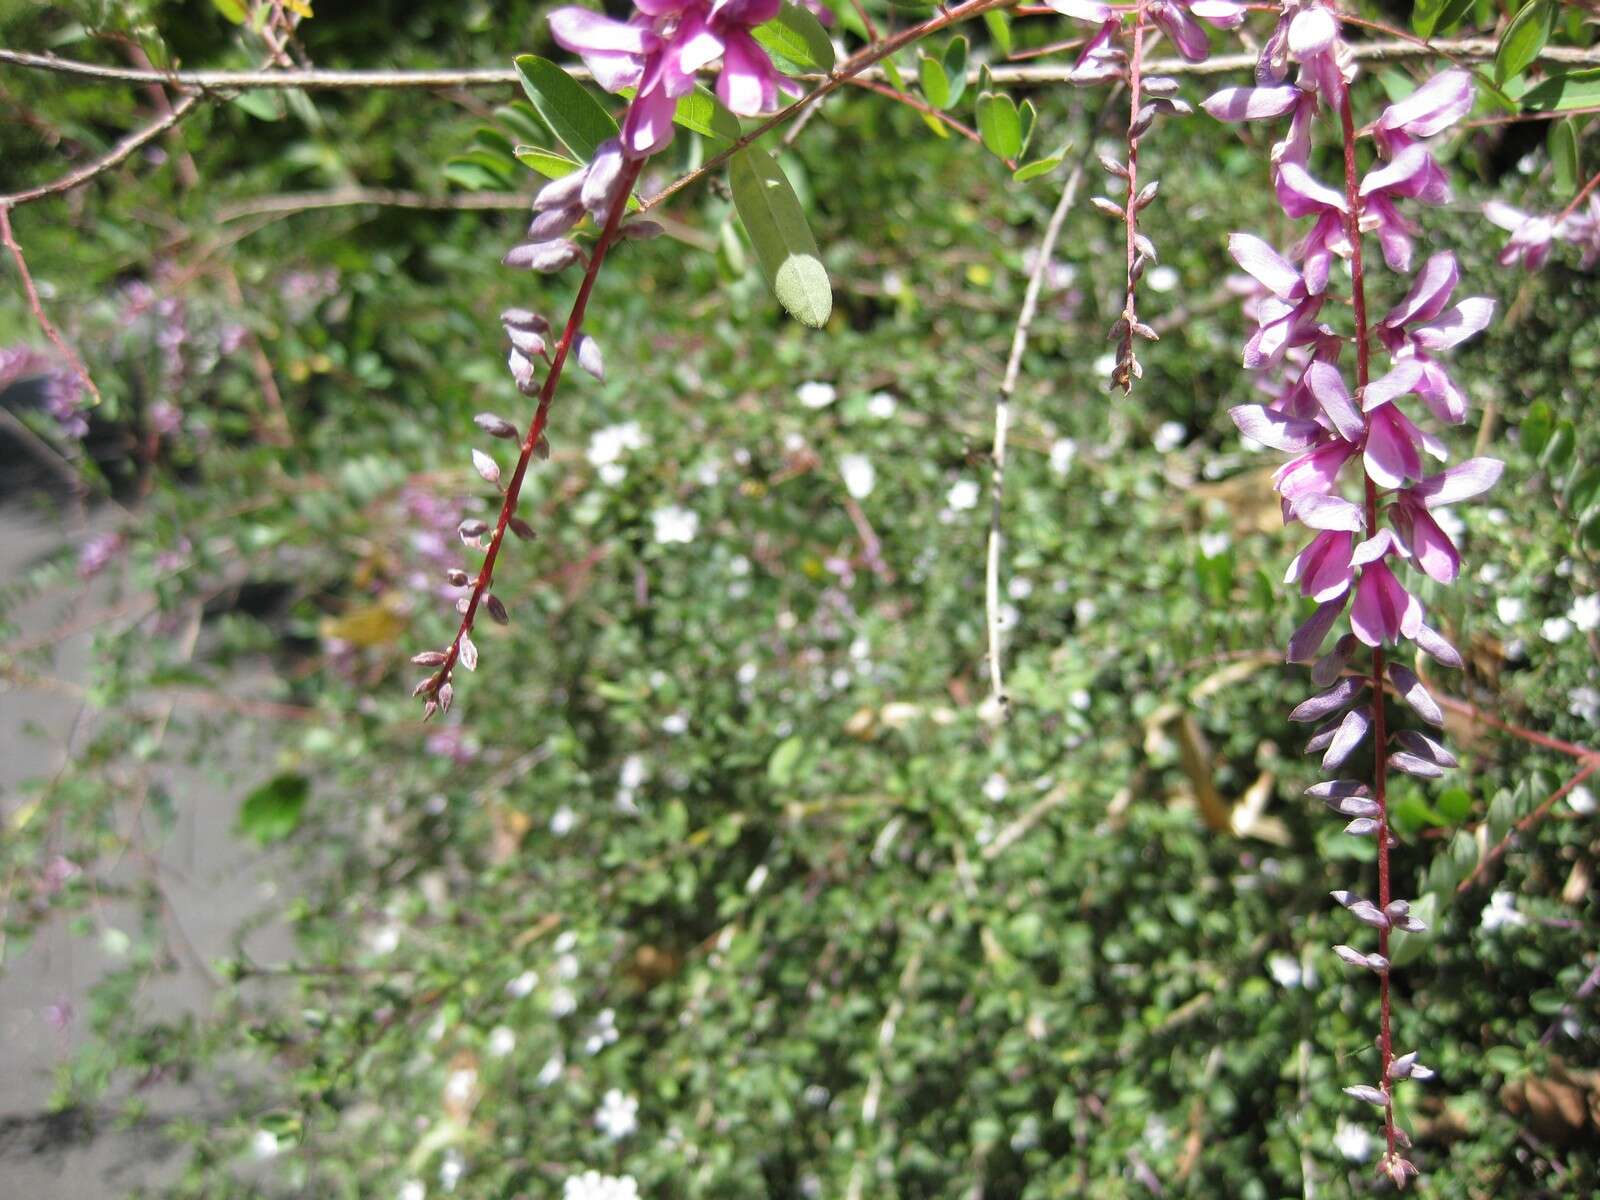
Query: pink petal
{"x": 1455, "y": 324}
{"x": 1401, "y": 379}
{"x": 1272, "y": 428}
{"x": 1391, "y": 454}
{"x": 1433, "y": 107}
{"x": 1302, "y": 196}
{"x": 1327, "y": 385}
{"x": 1251, "y": 103}
{"x": 1328, "y": 512}
{"x": 1429, "y": 293}
{"x": 1461, "y": 482}
{"x": 1224, "y": 14}
{"x": 1312, "y": 31}
{"x": 1082, "y": 10}
{"x": 579, "y": 30}
{"x": 1273, "y": 271}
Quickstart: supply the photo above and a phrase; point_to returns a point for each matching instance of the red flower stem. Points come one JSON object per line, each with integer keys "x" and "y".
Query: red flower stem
{"x": 1594, "y": 181}
{"x": 1130, "y": 214}
{"x": 547, "y": 393}
{"x": 1380, "y": 735}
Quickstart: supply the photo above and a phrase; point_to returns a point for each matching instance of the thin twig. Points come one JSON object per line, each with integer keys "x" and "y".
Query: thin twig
{"x": 1002, "y": 414}
{"x": 346, "y": 197}
{"x": 50, "y": 331}
{"x": 113, "y": 156}
{"x": 325, "y": 79}
{"x": 927, "y": 110}
{"x": 1527, "y": 823}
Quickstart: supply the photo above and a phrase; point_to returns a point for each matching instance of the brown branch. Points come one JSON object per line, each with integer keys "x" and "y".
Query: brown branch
{"x": 1528, "y": 822}
{"x": 113, "y": 156}
{"x": 326, "y": 79}
{"x": 347, "y": 197}
{"x": 34, "y": 303}
{"x": 927, "y": 110}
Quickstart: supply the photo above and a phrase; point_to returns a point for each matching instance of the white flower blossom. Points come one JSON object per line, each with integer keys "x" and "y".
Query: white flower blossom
{"x": 602, "y": 1032}
{"x": 609, "y": 444}
{"x": 1502, "y": 910}
{"x": 1584, "y": 703}
{"x": 747, "y": 673}
{"x": 1019, "y": 587}
{"x": 1353, "y": 1141}
{"x": 1555, "y": 629}
{"x": 963, "y": 494}
{"x": 859, "y": 475}
{"x": 264, "y": 1144}
{"x": 1509, "y": 609}
{"x": 1585, "y": 613}
{"x": 551, "y": 1071}
{"x": 674, "y": 523}
{"x": 459, "y": 1086}
{"x": 996, "y": 787}
{"x": 1285, "y": 970}
{"x": 451, "y": 1168}
{"x": 501, "y": 1041}
{"x": 1062, "y": 453}
{"x": 1162, "y": 279}
{"x": 612, "y": 474}
{"x": 412, "y": 1189}
{"x": 562, "y": 1002}
{"x": 562, "y": 821}
{"x": 1214, "y": 542}
{"x": 1581, "y": 800}
{"x": 592, "y": 1185}
{"x": 816, "y": 395}
{"x": 634, "y": 772}
{"x": 618, "y": 1115}
{"x": 881, "y": 405}
{"x": 675, "y": 723}
{"x": 1169, "y": 436}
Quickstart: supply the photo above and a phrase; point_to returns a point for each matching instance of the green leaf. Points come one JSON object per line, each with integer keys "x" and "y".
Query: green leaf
{"x": 1524, "y": 37}
{"x": 1452, "y": 14}
{"x": 1537, "y": 426}
{"x": 574, "y": 116}
{"x": 780, "y": 767}
{"x": 547, "y": 162}
{"x": 935, "y": 83}
{"x": 1454, "y": 804}
{"x": 465, "y": 173}
{"x": 272, "y": 812}
{"x": 999, "y": 124}
{"x": 701, "y": 112}
{"x": 499, "y": 169}
{"x": 232, "y": 9}
{"x": 1583, "y": 491}
{"x": 783, "y": 243}
{"x": 524, "y": 123}
{"x": 1030, "y": 121}
{"x": 264, "y": 104}
{"x": 1503, "y": 1060}
{"x": 999, "y": 31}
{"x": 1425, "y": 16}
{"x": 893, "y": 72}
{"x": 1037, "y": 168}
{"x": 1558, "y": 451}
{"x": 955, "y": 68}
{"x": 1565, "y": 90}
{"x": 1562, "y": 143}
{"x": 1405, "y": 948}
{"x": 797, "y": 37}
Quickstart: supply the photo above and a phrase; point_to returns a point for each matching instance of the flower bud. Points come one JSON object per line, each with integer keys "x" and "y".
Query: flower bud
{"x": 429, "y": 658}
{"x": 522, "y": 372}
{"x": 468, "y": 654}
{"x": 486, "y": 467}
{"x": 600, "y": 181}
{"x": 472, "y": 528}
{"x": 553, "y": 222}
{"x": 527, "y": 342}
{"x": 589, "y": 357}
{"x": 1370, "y": 1095}
{"x": 641, "y": 230}
{"x": 545, "y": 257}
{"x": 447, "y": 693}
{"x": 522, "y": 318}
{"x": 495, "y": 426}
{"x": 522, "y": 529}
{"x": 559, "y": 193}
{"x": 1110, "y": 207}
{"x": 497, "y": 610}
{"x": 457, "y": 577}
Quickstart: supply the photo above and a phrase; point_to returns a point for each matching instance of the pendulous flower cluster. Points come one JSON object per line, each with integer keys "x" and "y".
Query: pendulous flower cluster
{"x": 1365, "y": 552}
{"x": 658, "y": 53}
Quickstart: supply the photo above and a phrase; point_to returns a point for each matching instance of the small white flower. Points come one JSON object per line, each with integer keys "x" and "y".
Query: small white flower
{"x": 1169, "y": 437}
{"x": 1352, "y": 1141}
{"x": 592, "y": 1185}
{"x": 881, "y": 405}
{"x": 674, "y": 523}
{"x": 1585, "y": 612}
{"x": 612, "y": 474}
{"x": 860, "y": 649}
{"x": 501, "y": 1041}
{"x": 1157, "y": 1133}
{"x": 1006, "y": 617}
{"x": 1103, "y": 365}
{"x": 1214, "y": 542}
{"x": 412, "y": 1189}
{"x": 1502, "y": 910}
{"x": 602, "y": 1032}
{"x": 562, "y": 1002}
{"x": 451, "y": 1169}
{"x": 608, "y": 445}
{"x": 618, "y": 1115}
{"x": 839, "y": 679}
{"x": 996, "y": 787}
{"x": 963, "y": 494}
{"x": 1084, "y": 611}
{"x": 385, "y": 940}
{"x": 1584, "y": 703}
{"x": 816, "y": 395}
{"x": 816, "y": 1096}
{"x": 522, "y": 985}
{"x": 708, "y": 475}
{"x": 1062, "y": 453}
{"x": 675, "y": 723}
{"x": 459, "y": 1087}
{"x": 1080, "y": 699}
{"x": 1162, "y": 279}
{"x": 1509, "y": 609}
{"x": 1581, "y": 800}
{"x": 1019, "y": 587}
{"x": 264, "y": 1144}
{"x": 551, "y": 1071}
{"x": 566, "y": 966}
{"x": 562, "y": 821}
{"x": 1285, "y": 970}
{"x": 738, "y": 566}
{"x": 633, "y": 772}
{"x": 757, "y": 880}
{"x": 566, "y": 943}
{"x": 1555, "y": 629}
{"x": 746, "y": 674}
{"x": 859, "y": 475}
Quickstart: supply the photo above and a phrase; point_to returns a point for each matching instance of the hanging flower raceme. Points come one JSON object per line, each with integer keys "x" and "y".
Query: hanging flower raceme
{"x": 1368, "y": 546}
{"x": 660, "y": 50}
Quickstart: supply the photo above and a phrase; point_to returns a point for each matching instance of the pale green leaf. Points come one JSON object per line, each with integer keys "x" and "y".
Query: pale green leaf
{"x": 999, "y": 124}
{"x": 784, "y": 247}
{"x": 796, "y": 36}
{"x": 574, "y": 116}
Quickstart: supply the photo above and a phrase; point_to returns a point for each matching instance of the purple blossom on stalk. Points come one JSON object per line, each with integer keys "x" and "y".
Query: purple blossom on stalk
{"x": 62, "y": 387}
{"x": 1362, "y": 550}
{"x": 661, "y": 48}
{"x": 1534, "y": 236}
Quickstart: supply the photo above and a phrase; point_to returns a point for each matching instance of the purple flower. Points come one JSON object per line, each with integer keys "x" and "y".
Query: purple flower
{"x": 98, "y": 553}
{"x": 659, "y": 50}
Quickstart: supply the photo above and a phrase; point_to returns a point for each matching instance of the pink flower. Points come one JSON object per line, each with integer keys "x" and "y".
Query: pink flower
{"x": 1383, "y": 610}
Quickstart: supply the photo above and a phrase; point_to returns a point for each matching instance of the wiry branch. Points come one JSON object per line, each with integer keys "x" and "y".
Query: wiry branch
{"x": 329, "y": 79}
{"x": 9, "y": 239}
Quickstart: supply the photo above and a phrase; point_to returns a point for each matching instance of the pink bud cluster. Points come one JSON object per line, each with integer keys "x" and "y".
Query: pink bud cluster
{"x": 1363, "y": 437}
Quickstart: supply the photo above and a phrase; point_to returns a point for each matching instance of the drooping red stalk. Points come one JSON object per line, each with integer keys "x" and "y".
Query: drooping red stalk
{"x": 1380, "y": 736}
{"x": 530, "y": 442}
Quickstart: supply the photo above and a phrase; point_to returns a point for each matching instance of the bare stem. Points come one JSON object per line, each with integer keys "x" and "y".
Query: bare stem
{"x": 50, "y": 331}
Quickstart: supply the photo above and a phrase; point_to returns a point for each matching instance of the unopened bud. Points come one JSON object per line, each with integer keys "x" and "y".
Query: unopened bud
{"x": 1113, "y": 166}
{"x": 559, "y": 193}
{"x": 522, "y": 529}
{"x": 601, "y": 179}
{"x": 472, "y": 528}
{"x": 1108, "y": 206}
{"x": 545, "y": 257}
{"x": 541, "y": 449}
{"x": 641, "y": 230}
{"x": 447, "y": 693}
{"x": 468, "y": 654}
{"x": 1147, "y": 193}
{"x": 553, "y": 222}
{"x": 429, "y": 658}
{"x": 523, "y": 373}
{"x": 486, "y": 467}
{"x": 495, "y": 426}
{"x": 589, "y": 357}
{"x": 497, "y": 610}
{"x": 528, "y": 342}
{"x": 1159, "y": 85}
{"x": 457, "y": 577}
{"x": 522, "y": 318}
{"x": 1369, "y": 1095}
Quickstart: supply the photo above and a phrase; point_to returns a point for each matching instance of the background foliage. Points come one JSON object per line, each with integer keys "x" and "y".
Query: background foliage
{"x": 716, "y": 824}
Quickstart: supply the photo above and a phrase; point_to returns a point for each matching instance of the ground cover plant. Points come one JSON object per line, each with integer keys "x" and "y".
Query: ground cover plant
{"x": 879, "y": 772}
